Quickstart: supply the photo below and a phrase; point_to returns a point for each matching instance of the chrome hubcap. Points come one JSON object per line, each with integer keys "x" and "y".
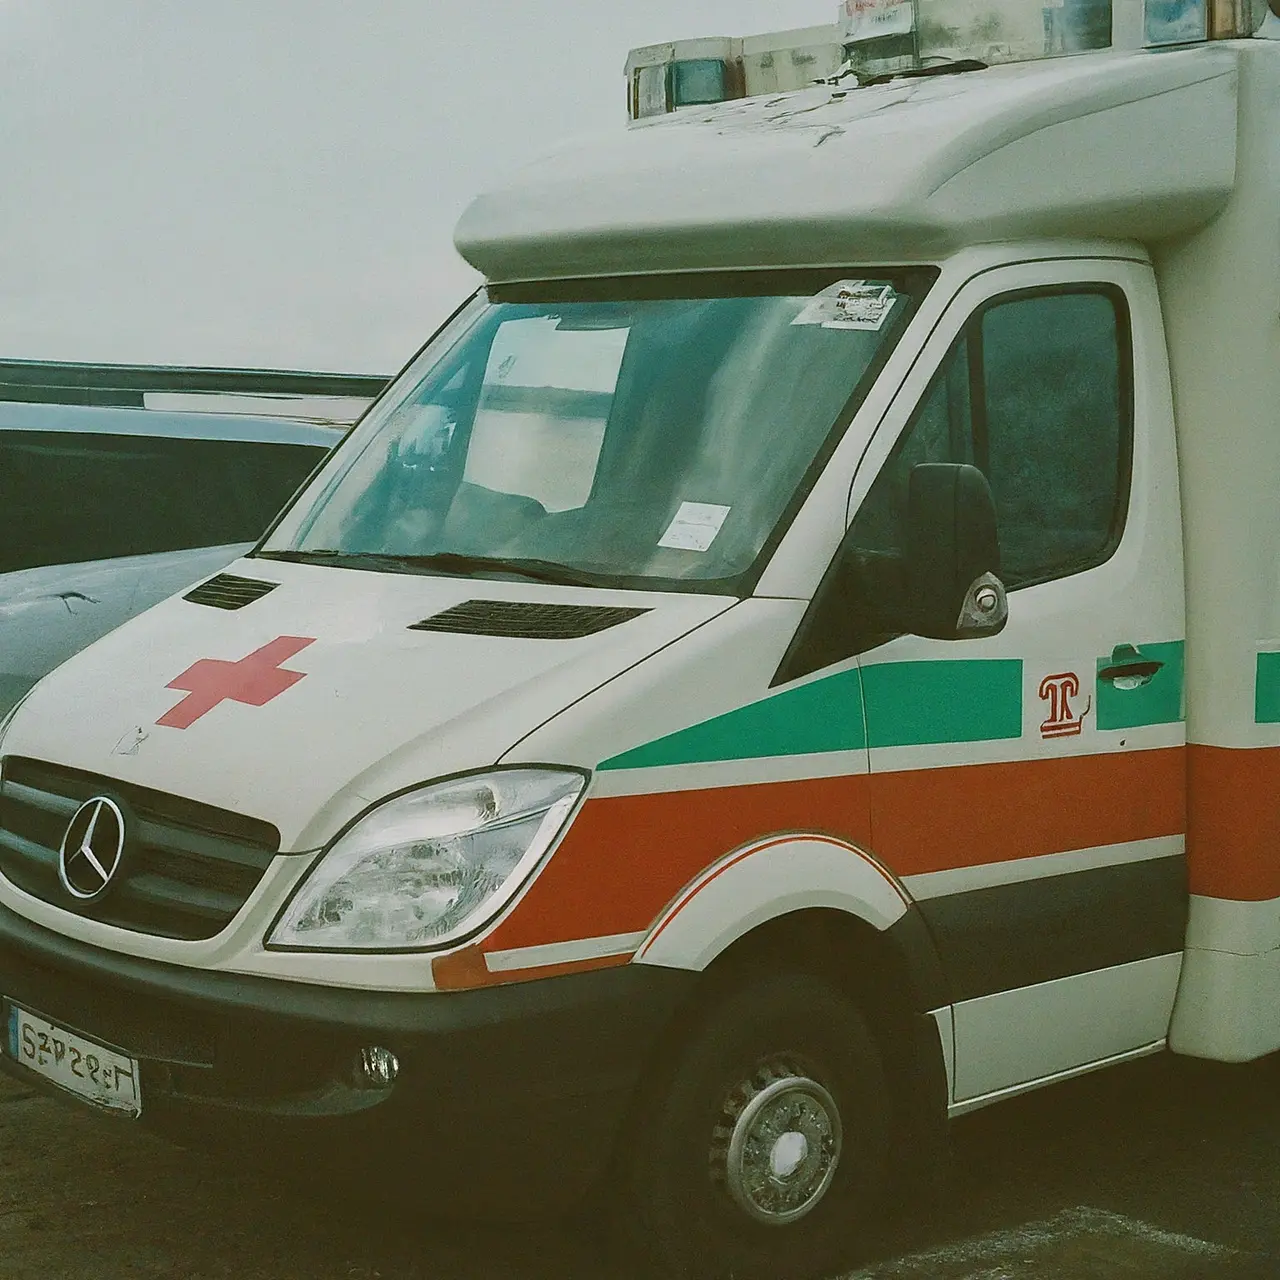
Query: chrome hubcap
{"x": 777, "y": 1145}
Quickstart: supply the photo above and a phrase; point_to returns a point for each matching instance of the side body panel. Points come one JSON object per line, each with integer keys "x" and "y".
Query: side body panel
{"x": 1221, "y": 292}
{"x": 659, "y": 843}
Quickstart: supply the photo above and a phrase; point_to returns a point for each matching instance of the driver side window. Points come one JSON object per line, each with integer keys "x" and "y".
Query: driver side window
{"x": 1036, "y": 393}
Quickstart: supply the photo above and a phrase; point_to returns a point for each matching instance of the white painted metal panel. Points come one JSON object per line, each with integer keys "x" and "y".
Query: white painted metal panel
{"x": 752, "y": 887}
{"x": 1034, "y": 1032}
{"x": 1117, "y": 145}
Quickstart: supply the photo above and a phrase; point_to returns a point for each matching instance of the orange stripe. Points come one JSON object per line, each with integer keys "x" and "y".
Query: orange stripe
{"x": 467, "y": 968}
{"x": 627, "y": 858}
{"x": 936, "y": 819}
{"x": 1233, "y": 836}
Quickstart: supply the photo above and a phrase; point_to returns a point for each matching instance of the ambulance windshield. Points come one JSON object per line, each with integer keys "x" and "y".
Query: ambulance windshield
{"x": 630, "y": 435}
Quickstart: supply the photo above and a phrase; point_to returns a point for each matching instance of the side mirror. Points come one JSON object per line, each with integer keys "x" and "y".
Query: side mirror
{"x": 953, "y": 554}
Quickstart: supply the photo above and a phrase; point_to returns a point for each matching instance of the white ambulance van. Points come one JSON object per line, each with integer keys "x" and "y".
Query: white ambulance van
{"x": 796, "y": 658}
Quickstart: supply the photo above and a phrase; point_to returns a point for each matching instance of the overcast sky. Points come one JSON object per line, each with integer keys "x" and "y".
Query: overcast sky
{"x": 274, "y": 183}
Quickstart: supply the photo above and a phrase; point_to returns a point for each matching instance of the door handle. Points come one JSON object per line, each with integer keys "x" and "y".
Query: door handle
{"x": 1128, "y": 669}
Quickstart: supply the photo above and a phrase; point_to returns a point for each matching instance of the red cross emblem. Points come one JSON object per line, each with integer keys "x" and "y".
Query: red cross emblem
{"x": 253, "y": 681}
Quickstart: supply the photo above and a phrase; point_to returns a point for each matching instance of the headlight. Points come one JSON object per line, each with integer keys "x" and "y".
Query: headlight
{"x": 423, "y": 869}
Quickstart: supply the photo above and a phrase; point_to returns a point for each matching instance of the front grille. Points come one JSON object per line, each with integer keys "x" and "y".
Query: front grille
{"x": 187, "y": 869}
{"x": 526, "y": 620}
{"x": 227, "y": 591}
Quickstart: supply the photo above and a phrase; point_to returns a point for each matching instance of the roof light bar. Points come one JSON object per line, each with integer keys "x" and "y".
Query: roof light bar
{"x": 1170, "y": 22}
{"x": 871, "y": 38}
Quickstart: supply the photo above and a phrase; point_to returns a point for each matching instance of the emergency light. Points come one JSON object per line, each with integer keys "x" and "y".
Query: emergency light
{"x": 1070, "y": 26}
{"x": 889, "y": 37}
{"x": 1167, "y": 22}
{"x": 1014, "y": 31}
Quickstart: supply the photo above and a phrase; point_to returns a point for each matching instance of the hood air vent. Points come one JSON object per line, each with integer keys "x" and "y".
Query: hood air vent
{"x": 226, "y": 591}
{"x": 521, "y": 620}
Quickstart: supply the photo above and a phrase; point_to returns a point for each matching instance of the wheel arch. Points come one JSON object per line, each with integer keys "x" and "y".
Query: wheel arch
{"x": 766, "y": 880}
{"x": 827, "y": 908}
{"x": 895, "y": 979}
{"x": 738, "y": 905}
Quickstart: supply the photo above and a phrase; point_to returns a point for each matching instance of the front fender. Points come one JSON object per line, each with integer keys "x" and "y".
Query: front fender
{"x": 763, "y": 882}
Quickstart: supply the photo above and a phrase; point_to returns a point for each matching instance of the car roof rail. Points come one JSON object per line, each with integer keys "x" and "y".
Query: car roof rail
{"x": 126, "y": 386}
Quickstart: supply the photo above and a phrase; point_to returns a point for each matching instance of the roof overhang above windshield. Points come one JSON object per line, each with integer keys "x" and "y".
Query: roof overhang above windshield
{"x": 1135, "y": 146}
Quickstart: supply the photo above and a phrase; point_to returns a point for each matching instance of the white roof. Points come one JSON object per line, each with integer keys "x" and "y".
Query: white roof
{"x": 1134, "y": 146}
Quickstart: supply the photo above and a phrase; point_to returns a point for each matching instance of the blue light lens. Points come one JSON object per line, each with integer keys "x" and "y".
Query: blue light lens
{"x": 1176, "y": 21}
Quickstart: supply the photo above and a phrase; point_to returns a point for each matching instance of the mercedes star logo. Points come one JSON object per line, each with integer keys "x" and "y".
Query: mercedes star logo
{"x": 92, "y": 849}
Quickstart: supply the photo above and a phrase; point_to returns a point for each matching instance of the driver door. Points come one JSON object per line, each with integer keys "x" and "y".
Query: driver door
{"x": 1027, "y": 790}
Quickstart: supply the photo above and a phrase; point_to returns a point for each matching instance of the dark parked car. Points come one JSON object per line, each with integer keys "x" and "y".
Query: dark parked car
{"x": 108, "y": 506}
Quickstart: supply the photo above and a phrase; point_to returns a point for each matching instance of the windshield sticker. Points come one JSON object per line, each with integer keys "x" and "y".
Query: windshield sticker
{"x": 695, "y": 526}
{"x": 850, "y": 304}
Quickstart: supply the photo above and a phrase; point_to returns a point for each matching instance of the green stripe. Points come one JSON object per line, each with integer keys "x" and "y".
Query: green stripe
{"x": 1266, "y": 689}
{"x": 913, "y": 703}
{"x": 823, "y": 716}
{"x": 1159, "y": 702}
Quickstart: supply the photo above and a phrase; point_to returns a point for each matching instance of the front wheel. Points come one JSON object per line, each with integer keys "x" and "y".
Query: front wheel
{"x": 760, "y": 1149}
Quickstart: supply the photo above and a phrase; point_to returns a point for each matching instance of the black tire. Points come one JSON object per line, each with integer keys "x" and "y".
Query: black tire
{"x": 745, "y": 1056}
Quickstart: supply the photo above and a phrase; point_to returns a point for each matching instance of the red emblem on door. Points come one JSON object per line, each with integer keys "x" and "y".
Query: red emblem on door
{"x": 1057, "y": 691}
{"x": 253, "y": 681}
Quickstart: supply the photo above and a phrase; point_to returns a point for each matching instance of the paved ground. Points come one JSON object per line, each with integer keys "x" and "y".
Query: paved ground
{"x": 1166, "y": 1169}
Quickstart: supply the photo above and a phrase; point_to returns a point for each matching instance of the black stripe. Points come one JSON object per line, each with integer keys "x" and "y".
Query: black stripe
{"x": 1018, "y": 935}
{"x": 923, "y": 968}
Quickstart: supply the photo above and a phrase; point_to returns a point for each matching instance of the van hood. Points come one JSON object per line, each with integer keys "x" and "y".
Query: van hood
{"x": 49, "y": 613}
{"x": 308, "y": 704}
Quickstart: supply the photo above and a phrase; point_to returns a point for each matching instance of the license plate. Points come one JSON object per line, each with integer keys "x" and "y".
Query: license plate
{"x": 102, "y": 1076}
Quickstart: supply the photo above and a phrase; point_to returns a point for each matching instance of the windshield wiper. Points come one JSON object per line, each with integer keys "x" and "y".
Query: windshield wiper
{"x": 450, "y": 562}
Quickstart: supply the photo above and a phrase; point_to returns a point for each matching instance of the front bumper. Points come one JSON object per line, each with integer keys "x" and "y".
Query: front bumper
{"x": 510, "y": 1098}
